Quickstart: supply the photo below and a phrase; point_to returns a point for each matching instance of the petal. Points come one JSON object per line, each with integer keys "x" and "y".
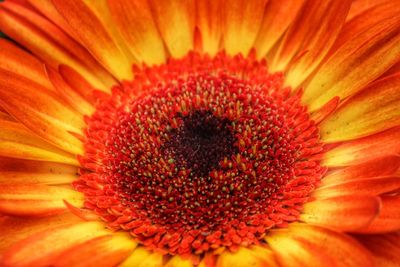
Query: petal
{"x": 21, "y": 63}
{"x": 209, "y": 21}
{"x": 277, "y": 18}
{"x": 256, "y": 256}
{"x": 143, "y": 39}
{"x": 109, "y": 250}
{"x": 373, "y": 15}
{"x": 51, "y": 244}
{"x": 17, "y": 171}
{"x": 308, "y": 245}
{"x": 344, "y": 213}
{"x": 360, "y": 6}
{"x": 364, "y": 149}
{"x": 178, "y": 261}
{"x": 44, "y": 112}
{"x": 314, "y": 42}
{"x": 47, "y": 41}
{"x": 175, "y": 20}
{"x": 375, "y": 168}
{"x": 14, "y": 229}
{"x": 36, "y": 200}
{"x": 95, "y": 37}
{"x": 388, "y": 219}
{"x": 384, "y": 248}
{"x": 17, "y": 142}
{"x": 141, "y": 257}
{"x": 72, "y": 97}
{"x": 374, "y": 109}
{"x": 362, "y": 59}
{"x": 241, "y": 25}
{"x": 368, "y": 186}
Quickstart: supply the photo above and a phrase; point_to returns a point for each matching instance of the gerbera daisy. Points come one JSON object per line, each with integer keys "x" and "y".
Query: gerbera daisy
{"x": 200, "y": 133}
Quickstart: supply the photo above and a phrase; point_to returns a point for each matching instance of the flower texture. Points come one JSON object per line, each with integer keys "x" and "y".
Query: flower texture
{"x": 200, "y": 133}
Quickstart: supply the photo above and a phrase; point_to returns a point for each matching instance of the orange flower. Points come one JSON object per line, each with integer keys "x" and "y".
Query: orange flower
{"x": 200, "y": 133}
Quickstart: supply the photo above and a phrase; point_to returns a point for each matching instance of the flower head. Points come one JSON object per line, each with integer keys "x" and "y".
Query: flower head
{"x": 200, "y": 133}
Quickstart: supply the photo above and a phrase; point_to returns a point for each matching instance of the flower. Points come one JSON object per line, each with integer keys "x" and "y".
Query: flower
{"x": 200, "y": 133}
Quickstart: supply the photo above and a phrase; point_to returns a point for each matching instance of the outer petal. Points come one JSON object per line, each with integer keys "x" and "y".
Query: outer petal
{"x": 178, "y": 261}
{"x": 21, "y": 63}
{"x": 344, "y": 213}
{"x": 308, "y": 245}
{"x": 51, "y": 244}
{"x": 384, "y": 248}
{"x": 44, "y": 112}
{"x": 141, "y": 257}
{"x": 362, "y": 59}
{"x": 256, "y": 256}
{"x": 109, "y": 250}
{"x": 17, "y": 171}
{"x": 14, "y": 229}
{"x": 368, "y": 186}
{"x": 359, "y": 6}
{"x": 176, "y": 21}
{"x": 17, "y": 142}
{"x": 242, "y": 22}
{"x": 95, "y": 37}
{"x": 308, "y": 42}
{"x": 277, "y": 18}
{"x": 36, "y": 200}
{"x": 209, "y": 20}
{"x": 47, "y": 41}
{"x": 364, "y": 149}
{"x": 374, "y": 109}
{"x": 375, "y": 168}
{"x": 388, "y": 219}
{"x": 143, "y": 38}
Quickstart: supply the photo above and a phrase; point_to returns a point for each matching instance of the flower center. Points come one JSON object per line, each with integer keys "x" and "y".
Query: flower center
{"x": 200, "y": 154}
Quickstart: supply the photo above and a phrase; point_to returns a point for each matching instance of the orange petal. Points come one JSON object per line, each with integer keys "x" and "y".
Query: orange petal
{"x": 44, "y": 112}
{"x": 344, "y": 213}
{"x": 36, "y": 200}
{"x": 308, "y": 42}
{"x": 388, "y": 219}
{"x": 278, "y": 15}
{"x": 368, "y": 186}
{"x": 360, "y": 6}
{"x": 375, "y": 168}
{"x": 95, "y": 37}
{"x": 178, "y": 261}
{"x": 109, "y": 250}
{"x": 209, "y": 21}
{"x": 375, "y": 14}
{"x": 141, "y": 257}
{"x": 17, "y": 171}
{"x": 241, "y": 25}
{"x": 384, "y": 248}
{"x": 51, "y": 244}
{"x": 69, "y": 94}
{"x": 357, "y": 59}
{"x": 46, "y": 40}
{"x": 364, "y": 149}
{"x": 21, "y": 63}
{"x": 14, "y": 229}
{"x": 308, "y": 245}
{"x": 374, "y": 109}
{"x": 175, "y": 20}
{"x": 256, "y": 256}
{"x": 17, "y": 142}
{"x": 143, "y": 40}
